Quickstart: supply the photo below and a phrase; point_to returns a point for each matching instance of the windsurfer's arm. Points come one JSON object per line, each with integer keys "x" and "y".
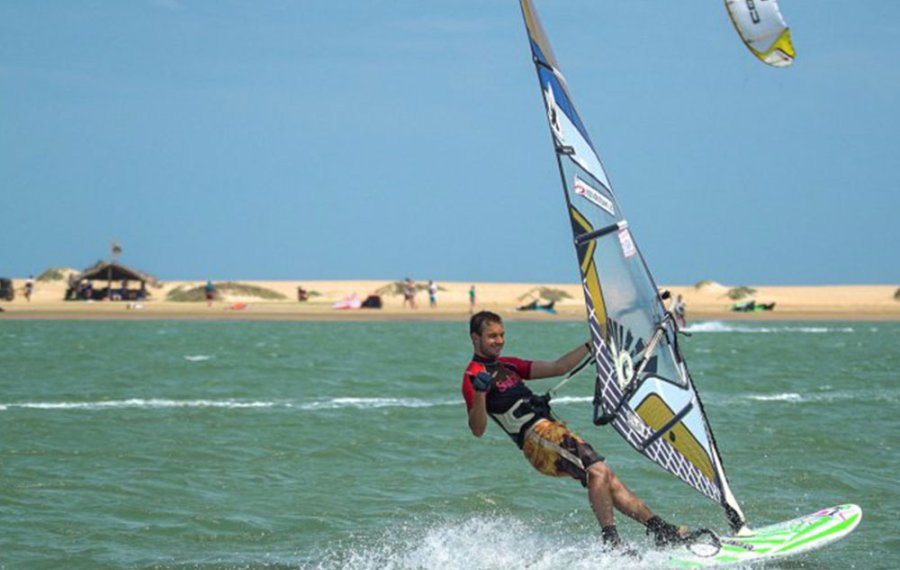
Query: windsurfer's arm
{"x": 478, "y": 415}
{"x": 560, "y": 366}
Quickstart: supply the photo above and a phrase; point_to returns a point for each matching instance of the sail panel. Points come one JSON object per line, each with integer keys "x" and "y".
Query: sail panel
{"x": 569, "y": 132}
{"x": 643, "y": 387}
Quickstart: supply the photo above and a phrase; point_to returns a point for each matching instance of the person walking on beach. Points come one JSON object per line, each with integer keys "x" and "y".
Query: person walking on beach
{"x": 471, "y": 299}
{"x": 210, "y": 291}
{"x": 432, "y": 293}
{"x": 493, "y": 387}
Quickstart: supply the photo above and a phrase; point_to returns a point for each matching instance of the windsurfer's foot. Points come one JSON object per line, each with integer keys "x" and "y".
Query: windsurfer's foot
{"x": 611, "y": 536}
{"x": 667, "y": 534}
{"x": 614, "y": 543}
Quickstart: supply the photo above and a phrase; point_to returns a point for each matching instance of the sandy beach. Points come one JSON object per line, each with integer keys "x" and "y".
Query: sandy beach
{"x": 706, "y": 302}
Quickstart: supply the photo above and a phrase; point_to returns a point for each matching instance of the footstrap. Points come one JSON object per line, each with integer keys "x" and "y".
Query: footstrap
{"x": 703, "y": 542}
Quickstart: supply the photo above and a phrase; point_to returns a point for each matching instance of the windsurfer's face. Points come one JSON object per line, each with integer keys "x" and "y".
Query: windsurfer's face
{"x": 489, "y": 344}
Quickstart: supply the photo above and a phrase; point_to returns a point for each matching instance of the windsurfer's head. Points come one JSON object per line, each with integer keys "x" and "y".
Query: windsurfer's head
{"x": 486, "y": 330}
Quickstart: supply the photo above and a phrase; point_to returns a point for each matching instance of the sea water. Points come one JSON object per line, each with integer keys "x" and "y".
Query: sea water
{"x": 162, "y": 444}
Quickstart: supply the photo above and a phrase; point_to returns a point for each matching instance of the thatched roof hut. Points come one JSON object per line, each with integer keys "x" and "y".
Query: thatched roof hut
{"x": 114, "y": 271}
{"x": 110, "y": 272}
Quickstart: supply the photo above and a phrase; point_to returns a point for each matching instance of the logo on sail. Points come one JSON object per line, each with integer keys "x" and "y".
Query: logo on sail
{"x": 623, "y": 364}
{"x": 586, "y": 191}
{"x": 553, "y": 113}
{"x": 628, "y": 248}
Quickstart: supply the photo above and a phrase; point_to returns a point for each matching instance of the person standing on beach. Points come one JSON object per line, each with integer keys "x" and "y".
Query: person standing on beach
{"x": 678, "y": 310}
{"x": 29, "y": 287}
{"x": 432, "y": 293}
{"x": 210, "y": 290}
{"x": 471, "y": 299}
{"x": 493, "y": 387}
{"x": 409, "y": 293}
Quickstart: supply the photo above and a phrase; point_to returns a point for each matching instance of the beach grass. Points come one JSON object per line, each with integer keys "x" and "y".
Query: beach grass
{"x": 183, "y": 294}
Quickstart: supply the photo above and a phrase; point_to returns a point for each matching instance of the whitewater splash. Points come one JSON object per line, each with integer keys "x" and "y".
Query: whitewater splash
{"x": 486, "y": 542}
{"x": 722, "y": 327}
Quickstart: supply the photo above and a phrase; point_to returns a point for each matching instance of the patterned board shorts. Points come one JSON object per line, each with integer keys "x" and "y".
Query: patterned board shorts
{"x": 554, "y": 450}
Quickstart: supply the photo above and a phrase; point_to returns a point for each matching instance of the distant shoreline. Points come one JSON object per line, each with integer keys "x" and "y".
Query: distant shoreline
{"x": 709, "y": 302}
{"x": 376, "y": 316}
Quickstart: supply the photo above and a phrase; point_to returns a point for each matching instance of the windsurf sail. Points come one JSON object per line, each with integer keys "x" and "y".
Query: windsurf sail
{"x": 643, "y": 387}
{"x": 761, "y": 26}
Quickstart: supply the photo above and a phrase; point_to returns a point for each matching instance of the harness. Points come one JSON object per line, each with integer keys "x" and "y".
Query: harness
{"x": 525, "y": 411}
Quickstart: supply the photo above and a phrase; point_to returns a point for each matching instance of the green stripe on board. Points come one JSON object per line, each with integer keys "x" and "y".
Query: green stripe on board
{"x": 828, "y": 531}
{"x": 729, "y": 548}
{"x": 755, "y": 541}
{"x": 721, "y": 559}
{"x": 824, "y": 521}
{"x": 739, "y": 550}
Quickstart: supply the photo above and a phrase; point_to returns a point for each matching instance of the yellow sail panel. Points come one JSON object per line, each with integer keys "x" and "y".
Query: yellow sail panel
{"x": 592, "y": 282}
{"x": 540, "y": 44}
{"x": 581, "y": 225}
{"x": 656, "y": 413}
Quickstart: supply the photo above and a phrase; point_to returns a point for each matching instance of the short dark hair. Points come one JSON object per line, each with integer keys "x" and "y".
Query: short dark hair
{"x": 478, "y": 320}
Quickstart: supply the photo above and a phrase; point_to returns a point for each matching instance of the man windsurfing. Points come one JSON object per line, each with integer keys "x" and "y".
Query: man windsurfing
{"x": 493, "y": 387}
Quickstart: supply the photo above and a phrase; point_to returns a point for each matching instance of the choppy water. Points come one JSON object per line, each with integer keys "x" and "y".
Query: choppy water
{"x": 344, "y": 445}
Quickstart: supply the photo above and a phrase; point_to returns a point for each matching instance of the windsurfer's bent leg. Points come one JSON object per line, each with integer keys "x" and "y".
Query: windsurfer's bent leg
{"x": 606, "y": 491}
{"x": 599, "y": 494}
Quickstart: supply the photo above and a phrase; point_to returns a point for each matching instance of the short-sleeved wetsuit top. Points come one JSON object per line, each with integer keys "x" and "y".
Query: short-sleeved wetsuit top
{"x": 509, "y": 402}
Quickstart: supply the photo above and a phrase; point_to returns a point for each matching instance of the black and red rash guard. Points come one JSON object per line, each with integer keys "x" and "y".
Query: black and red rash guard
{"x": 508, "y": 400}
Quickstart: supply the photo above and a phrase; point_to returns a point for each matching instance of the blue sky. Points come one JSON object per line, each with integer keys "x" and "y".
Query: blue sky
{"x": 374, "y": 140}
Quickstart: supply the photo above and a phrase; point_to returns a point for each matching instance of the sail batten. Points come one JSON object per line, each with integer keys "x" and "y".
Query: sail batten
{"x": 643, "y": 388}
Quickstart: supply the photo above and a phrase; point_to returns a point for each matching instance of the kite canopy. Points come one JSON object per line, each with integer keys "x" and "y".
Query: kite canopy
{"x": 763, "y": 29}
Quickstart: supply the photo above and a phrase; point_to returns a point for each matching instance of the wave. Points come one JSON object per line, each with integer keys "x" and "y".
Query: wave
{"x": 836, "y": 396}
{"x": 139, "y": 403}
{"x": 198, "y": 358}
{"x": 349, "y": 402}
{"x": 786, "y": 397}
{"x": 572, "y": 399}
{"x": 721, "y": 327}
{"x": 160, "y": 403}
{"x": 368, "y": 403}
